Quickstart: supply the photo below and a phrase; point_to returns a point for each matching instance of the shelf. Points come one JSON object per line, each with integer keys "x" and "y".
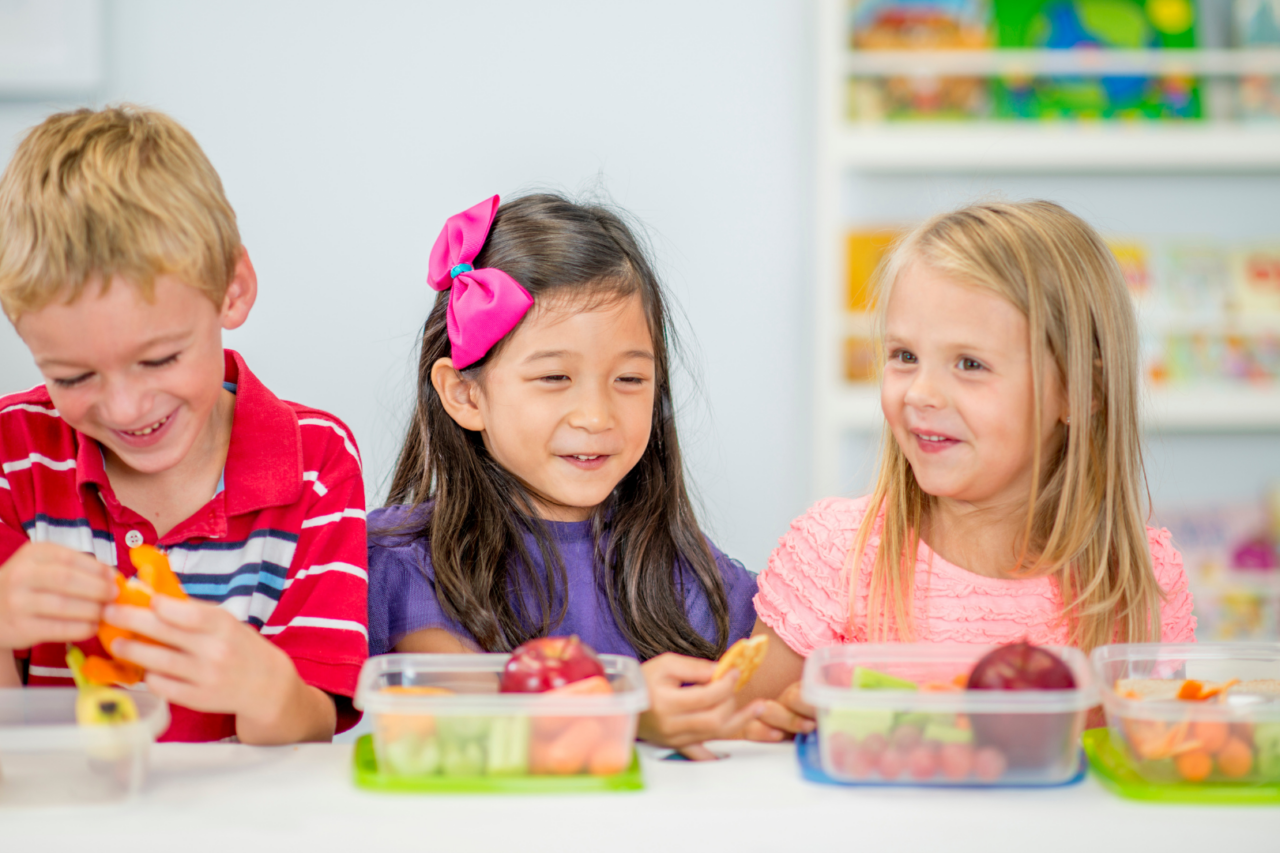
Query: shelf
{"x": 1243, "y": 409}
{"x": 1043, "y": 147}
{"x": 1076, "y": 62}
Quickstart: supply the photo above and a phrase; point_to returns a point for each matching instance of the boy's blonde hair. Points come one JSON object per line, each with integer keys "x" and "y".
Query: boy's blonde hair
{"x": 121, "y": 191}
{"x": 1085, "y": 522}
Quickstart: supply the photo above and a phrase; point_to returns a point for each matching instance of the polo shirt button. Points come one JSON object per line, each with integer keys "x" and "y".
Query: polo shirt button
{"x": 133, "y": 539}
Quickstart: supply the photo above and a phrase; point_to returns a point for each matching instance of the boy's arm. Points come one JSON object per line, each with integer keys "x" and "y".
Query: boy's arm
{"x": 277, "y": 682}
{"x": 321, "y": 619}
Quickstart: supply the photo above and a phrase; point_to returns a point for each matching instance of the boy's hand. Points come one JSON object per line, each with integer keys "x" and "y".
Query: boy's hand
{"x": 218, "y": 664}
{"x": 683, "y": 716}
{"x": 50, "y": 594}
{"x": 783, "y": 717}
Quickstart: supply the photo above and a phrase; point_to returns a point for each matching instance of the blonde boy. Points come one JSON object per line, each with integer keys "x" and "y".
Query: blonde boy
{"x": 120, "y": 265}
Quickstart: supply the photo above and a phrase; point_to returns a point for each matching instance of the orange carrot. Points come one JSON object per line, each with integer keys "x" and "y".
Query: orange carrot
{"x": 1212, "y": 735}
{"x": 1194, "y": 766}
{"x": 1221, "y": 688}
{"x": 1190, "y": 690}
{"x": 611, "y": 755}
{"x": 1235, "y": 759}
{"x": 568, "y": 753}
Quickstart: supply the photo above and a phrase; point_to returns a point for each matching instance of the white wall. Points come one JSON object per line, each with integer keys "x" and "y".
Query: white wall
{"x": 345, "y": 133}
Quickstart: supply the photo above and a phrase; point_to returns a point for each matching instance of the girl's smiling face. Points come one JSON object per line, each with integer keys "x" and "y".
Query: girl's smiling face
{"x": 566, "y": 405}
{"x": 957, "y": 390}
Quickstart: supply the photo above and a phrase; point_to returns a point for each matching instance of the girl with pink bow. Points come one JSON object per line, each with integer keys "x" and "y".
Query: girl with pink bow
{"x": 540, "y": 489}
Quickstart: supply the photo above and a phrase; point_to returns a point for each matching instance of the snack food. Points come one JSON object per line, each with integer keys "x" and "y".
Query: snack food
{"x": 745, "y": 656}
{"x": 547, "y": 663}
{"x": 153, "y": 576}
{"x": 937, "y": 714}
{"x": 1211, "y": 740}
{"x": 581, "y": 726}
{"x": 1025, "y": 740}
{"x": 97, "y": 705}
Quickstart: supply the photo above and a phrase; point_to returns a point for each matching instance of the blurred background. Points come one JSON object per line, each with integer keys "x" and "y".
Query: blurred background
{"x": 771, "y": 149}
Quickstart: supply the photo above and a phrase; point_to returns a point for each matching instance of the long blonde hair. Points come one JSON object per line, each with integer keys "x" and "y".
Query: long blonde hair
{"x": 1085, "y": 524}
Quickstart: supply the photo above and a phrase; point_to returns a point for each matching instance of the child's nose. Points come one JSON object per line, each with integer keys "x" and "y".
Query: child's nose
{"x": 124, "y": 404}
{"x": 592, "y": 411}
{"x": 924, "y": 391}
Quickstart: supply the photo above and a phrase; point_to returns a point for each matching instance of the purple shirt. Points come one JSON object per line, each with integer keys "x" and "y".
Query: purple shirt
{"x": 402, "y": 601}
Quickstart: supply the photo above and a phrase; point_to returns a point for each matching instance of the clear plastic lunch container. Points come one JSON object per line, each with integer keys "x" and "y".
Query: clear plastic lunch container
{"x": 1232, "y": 737}
{"x": 46, "y": 758}
{"x": 438, "y": 715}
{"x": 937, "y": 733}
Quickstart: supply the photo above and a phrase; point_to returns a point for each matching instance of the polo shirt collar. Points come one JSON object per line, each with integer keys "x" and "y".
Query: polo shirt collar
{"x": 264, "y": 459}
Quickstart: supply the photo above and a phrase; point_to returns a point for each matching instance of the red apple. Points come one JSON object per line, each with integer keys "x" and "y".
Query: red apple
{"x": 1021, "y": 666}
{"x": 1024, "y": 740}
{"x": 548, "y": 663}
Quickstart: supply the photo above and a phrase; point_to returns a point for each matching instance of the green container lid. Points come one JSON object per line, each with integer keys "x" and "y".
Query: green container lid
{"x": 366, "y": 775}
{"x": 1114, "y": 771}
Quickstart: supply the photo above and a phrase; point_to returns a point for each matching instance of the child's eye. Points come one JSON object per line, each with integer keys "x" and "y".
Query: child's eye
{"x": 161, "y": 362}
{"x": 970, "y": 364}
{"x": 71, "y": 381}
{"x": 903, "y": 356}
{"x": 554, "y": 378}
{"x": 631, "y": 380}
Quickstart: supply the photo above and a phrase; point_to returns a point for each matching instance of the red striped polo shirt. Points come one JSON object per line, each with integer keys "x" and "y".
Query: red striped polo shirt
{"x": 281, "y": 546}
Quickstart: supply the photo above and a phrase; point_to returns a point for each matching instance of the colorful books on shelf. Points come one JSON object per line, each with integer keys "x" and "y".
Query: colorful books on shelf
{"x": 1257, "y": 26}
{"x": 1079, "y": 25}
{"x": 1229, "y": 551}
{"x": 919, "y": 25}
{"x": 1096, "y": 25}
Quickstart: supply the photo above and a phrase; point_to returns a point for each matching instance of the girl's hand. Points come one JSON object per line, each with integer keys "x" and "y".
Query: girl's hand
{"x": 686, "y": 707}
{"x": 213, "y": 662}
{"x": 786, "y": 716}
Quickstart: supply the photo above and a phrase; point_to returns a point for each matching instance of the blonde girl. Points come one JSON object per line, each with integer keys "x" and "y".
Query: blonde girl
{"x": 1010, "y": 501}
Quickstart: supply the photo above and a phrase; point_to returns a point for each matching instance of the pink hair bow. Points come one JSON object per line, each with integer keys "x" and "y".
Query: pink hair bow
{"x": 484, "y": 304}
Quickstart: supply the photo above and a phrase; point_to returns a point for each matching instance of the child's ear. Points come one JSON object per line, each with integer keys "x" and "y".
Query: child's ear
{"x": 458, "y": 394}
{"x": 242, "y": 292}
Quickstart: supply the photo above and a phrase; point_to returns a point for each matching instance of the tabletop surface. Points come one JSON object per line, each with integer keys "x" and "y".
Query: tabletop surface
{"x": 230, "y": 797}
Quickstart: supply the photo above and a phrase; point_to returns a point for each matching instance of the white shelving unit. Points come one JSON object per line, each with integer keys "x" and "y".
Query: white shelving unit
{"x": 1085, "y": 148}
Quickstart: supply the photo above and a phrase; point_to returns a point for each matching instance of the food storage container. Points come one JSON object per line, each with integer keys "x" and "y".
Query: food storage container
{"x": 910, "y": 723}
{"x": 440, "y": 723}
{"x": 46, "y": 758}
{"x": 1225, "y": 730}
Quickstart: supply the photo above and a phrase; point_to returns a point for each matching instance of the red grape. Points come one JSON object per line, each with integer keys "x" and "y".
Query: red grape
{"x": 922, "y": 762}
{"x": 860, "y": 763}
{"x": 956, "y": 760}
{"x": 891, "y": 763}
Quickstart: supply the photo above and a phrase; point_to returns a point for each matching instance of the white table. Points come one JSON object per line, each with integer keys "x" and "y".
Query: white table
{"x": 239, "y": 799}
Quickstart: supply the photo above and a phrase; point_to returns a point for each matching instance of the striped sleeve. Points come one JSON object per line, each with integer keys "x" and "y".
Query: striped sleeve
{"x": 22, "y": 423}
{"x": 321, "y": 619}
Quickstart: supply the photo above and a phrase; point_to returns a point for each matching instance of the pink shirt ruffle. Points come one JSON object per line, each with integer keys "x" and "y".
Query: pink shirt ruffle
{"x": 804, "y": 592}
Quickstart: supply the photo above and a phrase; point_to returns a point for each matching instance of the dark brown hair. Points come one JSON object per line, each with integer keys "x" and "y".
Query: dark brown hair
{"x": 477, "y": 515}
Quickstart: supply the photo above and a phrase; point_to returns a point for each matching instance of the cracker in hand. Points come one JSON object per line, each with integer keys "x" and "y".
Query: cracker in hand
{"x": 744, "y": 656}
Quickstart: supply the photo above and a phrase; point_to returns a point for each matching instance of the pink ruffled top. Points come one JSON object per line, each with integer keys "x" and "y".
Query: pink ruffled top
{"x": 804, "y": 592}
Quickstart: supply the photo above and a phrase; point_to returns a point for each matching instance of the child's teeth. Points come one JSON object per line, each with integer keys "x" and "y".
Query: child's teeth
{"x": 155, "y": 426}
